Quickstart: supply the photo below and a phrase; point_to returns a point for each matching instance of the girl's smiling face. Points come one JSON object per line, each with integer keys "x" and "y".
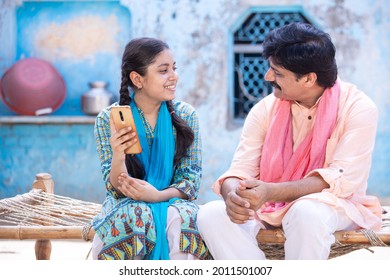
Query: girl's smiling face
{"x": 161, "y": 78}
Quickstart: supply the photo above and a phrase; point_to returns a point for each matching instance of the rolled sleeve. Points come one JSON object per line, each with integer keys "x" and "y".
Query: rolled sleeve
{"x": 348, "y": 160}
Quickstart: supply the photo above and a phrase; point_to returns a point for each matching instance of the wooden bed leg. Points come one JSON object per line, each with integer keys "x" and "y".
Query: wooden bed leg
{"x": 43, "y": 249}
{"x": 43, "y": 181}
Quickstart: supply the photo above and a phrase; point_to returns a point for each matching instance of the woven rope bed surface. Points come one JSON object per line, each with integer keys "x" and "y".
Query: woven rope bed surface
{"x": 38, "y": 214}
{"x": 271, "y": 241}
{"x": 42, "y": 215}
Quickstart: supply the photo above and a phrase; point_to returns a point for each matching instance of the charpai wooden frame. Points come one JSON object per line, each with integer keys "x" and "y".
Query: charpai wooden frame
{"x": 44, "y": 216}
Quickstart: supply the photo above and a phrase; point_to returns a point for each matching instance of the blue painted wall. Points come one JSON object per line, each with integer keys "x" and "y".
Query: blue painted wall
{"x": 67, "y": 151}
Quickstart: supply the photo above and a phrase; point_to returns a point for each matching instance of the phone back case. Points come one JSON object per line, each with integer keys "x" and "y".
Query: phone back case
{"x": 123, "y": 117}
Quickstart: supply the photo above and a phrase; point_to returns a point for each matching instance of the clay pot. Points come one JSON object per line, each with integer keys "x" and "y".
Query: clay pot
{"x": 32, "y": 86}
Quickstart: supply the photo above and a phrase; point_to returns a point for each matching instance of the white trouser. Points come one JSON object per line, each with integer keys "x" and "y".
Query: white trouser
{"x": 173, "y": 231}
{"x": 308, "y": 226}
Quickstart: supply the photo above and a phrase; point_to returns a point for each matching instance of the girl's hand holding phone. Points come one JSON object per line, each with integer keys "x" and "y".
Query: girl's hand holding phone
{"x": 124, "y": 137}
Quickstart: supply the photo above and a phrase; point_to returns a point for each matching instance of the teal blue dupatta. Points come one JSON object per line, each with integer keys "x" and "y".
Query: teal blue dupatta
{"x": 158, "y": 165}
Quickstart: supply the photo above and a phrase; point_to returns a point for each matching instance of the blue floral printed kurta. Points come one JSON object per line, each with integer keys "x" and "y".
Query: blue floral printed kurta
{"x": 126, "y": 226}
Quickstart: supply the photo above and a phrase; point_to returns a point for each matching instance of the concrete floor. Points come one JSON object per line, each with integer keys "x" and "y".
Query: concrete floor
{"x": 61, "y": 250}
{"x": 78, "y": 250}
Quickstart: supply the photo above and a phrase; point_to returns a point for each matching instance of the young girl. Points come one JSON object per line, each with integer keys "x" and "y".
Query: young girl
{"x": 148, "y": 212}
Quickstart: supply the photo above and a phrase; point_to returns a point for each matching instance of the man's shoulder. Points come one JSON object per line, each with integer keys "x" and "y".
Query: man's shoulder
{"x": 352, "y": 95}
{"x": 267, "y": 103}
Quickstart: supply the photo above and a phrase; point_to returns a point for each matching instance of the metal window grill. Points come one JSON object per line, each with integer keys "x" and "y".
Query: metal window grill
{"x": 249, "y": 65}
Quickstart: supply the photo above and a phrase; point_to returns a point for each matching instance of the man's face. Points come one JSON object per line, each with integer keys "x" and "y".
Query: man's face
{"x": 285, "y": 83}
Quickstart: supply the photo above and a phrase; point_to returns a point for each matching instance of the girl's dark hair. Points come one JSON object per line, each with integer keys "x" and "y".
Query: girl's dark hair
{"x": 303, "y": 48}
{"x": 138, "y": 55}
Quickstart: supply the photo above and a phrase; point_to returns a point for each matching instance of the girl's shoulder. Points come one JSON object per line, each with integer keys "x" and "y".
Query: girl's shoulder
{"x": 183, "y": 109}
{"x": 105, "y": 112}
{"x": 103, "y": 118}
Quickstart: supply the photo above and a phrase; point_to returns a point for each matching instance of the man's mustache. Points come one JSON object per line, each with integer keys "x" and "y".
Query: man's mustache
{"x": 275, "y": 85}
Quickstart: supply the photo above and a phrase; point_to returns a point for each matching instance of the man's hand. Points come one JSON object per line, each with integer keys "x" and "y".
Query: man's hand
{"x": 255, "y": 192}
{"x": 237, "y": 208}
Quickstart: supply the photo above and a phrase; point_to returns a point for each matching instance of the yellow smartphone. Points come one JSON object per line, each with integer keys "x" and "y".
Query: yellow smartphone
{"x": 123, "y": 117}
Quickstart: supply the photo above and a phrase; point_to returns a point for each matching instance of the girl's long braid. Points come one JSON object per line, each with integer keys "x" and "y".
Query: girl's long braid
{"x": 184, "y": 134}
{"x": 124, "y": 95}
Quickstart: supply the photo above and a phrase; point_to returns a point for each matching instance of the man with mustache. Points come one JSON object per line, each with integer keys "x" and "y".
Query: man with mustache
{"x": 303, "y": 160}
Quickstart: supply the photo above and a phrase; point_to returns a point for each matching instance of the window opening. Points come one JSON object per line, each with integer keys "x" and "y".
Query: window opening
{"x": 249, "y": 65}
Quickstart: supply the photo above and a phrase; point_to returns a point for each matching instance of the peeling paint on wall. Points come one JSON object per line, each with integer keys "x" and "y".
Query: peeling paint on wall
{"x": 79, "y": 38}
{"x": 338, "y": 18}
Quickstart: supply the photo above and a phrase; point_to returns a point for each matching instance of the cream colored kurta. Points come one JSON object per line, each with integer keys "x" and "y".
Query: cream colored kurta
{"x": 348, "y": 154}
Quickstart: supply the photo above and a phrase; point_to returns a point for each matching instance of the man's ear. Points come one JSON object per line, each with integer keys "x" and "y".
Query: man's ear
{"x": 136, "y": 79}
{"x": 310, "y": 79}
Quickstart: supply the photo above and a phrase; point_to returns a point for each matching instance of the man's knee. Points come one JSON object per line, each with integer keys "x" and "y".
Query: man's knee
{"x": 308, "y": 213}
{"x": 210, "y": 213}
{"x": 308, "y": 227}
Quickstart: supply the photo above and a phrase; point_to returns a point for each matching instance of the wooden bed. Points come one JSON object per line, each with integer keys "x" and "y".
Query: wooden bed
{"x": 42, "y": 215}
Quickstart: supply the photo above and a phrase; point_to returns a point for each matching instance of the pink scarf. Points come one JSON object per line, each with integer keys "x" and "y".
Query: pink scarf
{"x": 278, "y": 161}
